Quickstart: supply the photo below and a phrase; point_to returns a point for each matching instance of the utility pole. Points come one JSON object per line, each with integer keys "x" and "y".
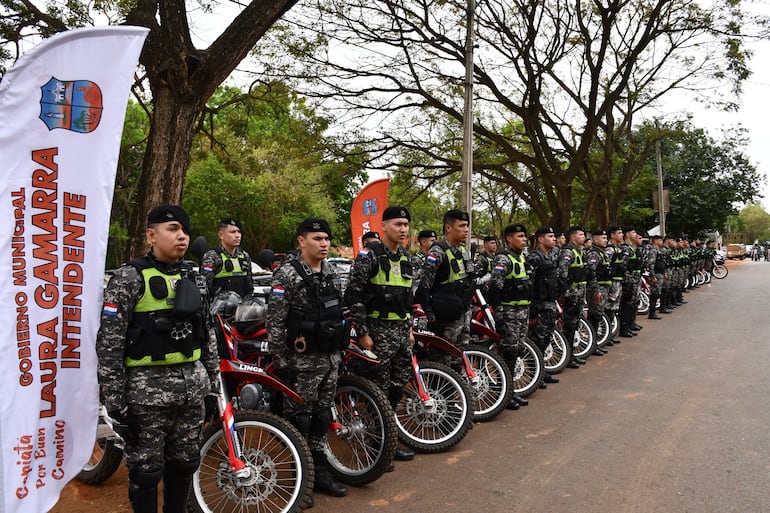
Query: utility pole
{"x": 661, "y": 203}
{"x": 467, "y": 191}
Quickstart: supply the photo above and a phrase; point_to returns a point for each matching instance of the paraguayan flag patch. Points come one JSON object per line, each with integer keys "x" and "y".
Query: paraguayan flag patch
{"x": 110, "y": 309}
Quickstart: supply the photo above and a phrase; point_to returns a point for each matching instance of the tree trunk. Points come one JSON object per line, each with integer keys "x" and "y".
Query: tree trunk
{"x": 165, "y": 162}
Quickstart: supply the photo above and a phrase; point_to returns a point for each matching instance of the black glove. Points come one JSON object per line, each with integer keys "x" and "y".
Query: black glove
{"x": 211, "y": 406}
{"x": 122, "y": 422}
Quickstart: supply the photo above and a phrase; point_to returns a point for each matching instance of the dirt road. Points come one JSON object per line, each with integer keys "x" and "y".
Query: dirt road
{"x": 674, "y": 420}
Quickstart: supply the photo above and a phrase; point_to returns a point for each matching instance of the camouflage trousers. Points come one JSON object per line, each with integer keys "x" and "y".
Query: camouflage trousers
{"x": 573, "y": 303}
{"x": 513, "y": 323}
{"x": 391, "y": 345}
{"x": 315, "y": 380}
{"x": 614, "y": 292}
{"x": 657, "y": 287}
{"x": 595, "y": 310}
{"x": 160, "y": 434}
{"x": 457, "y": 332}
{"x": 542, "y": 331}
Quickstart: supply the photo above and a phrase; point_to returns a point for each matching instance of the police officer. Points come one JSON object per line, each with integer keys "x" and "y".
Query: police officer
{"x": 597, "y": 261}
{"x": 227, "y": 267}
{"x": 629, "y": 301}
{"x": 484, "y": 260}
{"x": 666, "y": 301}
{"x": 572, "y": 271}
{"x": 510, "y": 277}
{"x": 545, "y": 292}
{"x": 369, "y": 237}
{"x": 425, "y": 240}
{"x": 656, "y": 262}
{"x": 617, "y": 258}
{"x": 380, "y": 301}
{"x": 446, "y": 281}
{"x": 157, "y": 361}
{"x": 306, "y": 331}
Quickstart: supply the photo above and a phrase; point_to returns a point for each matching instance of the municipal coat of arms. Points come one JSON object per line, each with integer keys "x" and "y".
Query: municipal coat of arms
{"x": 74, "y": 105}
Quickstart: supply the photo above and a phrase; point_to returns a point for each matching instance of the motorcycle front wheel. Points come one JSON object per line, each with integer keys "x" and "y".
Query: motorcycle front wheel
{"x": 719, "y": 272}
{"x": 585, "y": 339}
{"x": 103, "y": 463}
{"x": 363, "y": 448}
{"x": 278, "y": 457}
{"x": 644, "y": 303}
{"x": 529, "y": 372}
{"x": 492, "y": 392}
{"x": 444, "y": 420}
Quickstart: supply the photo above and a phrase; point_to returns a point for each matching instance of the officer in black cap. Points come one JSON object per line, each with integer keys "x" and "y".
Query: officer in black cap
{"x": 306, "y": 332}
{"x": 369, "y": 237}
{"x": 572, "y": 272}
{"x": 447, "y": 281}
{"x": 155, "y": 375}
{"x": 425, "y": 239}
{"x": 511, "y": 281}
{"x": 227, "y": 267}
{"x": 629, "y": 301}
{"x": 598, "y": 262}
{"x": 545, "y": 291}
{"x": 486, "y": 256}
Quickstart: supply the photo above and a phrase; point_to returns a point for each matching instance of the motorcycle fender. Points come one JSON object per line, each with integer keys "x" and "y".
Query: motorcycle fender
{"x": 242, "y": 371}
{"x": 429, "y": 339}
{"x": 482, "y": 329}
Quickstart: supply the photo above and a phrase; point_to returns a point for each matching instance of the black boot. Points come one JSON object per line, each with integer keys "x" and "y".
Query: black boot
{"x": 143, "y": 490}
{"x": 653, "y": 301}
{"x": 177, "y": 479}
{"x": 324, "y": 481}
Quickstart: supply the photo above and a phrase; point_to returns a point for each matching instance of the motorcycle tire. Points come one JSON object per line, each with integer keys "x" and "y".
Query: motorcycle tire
{"x": 603, "y": 331}
{"x": 363, "y": 449}
{"x": 719, "y": 272}
{"x": 278, "y": 455}
{"x": 585, "y": 339}
{"x": 615, "y": 325}
{"x": 105, "y": 459}
{"x": 493, "y": 391}
{"x": 437, "y": 427}
{"x": 556, "y": 356}
{"x": 530, "y": 371}
{"x": 644, "y": 303}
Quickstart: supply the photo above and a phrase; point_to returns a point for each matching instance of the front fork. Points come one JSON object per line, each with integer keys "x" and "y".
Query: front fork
{"x": 427, "y": 401}
{"x": 234, "y": 447}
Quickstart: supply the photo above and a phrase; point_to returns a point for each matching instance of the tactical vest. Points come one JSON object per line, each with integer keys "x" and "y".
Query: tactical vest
{"x": 603, "y": 269}
{"x": 157, "y": 335}
{"x": 546, "y": 280}
{"x": 634, "y": 264}
{"x": 517, "y": 288}
{"x": 617, "y": 266}
{"x": 234, "y": 275}
{"x": 660, "y": 262}
{"x": 577, "y": 269}
{"x": 455, "y": 275}
{"x": 388, "y": 296}
{"x": 319, "y": 321}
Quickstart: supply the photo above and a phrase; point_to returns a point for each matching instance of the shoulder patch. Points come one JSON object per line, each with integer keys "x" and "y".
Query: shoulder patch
{"x": 208, "y": 268}
{"x": 363, "y": 252}
{"x": 499, "y": 267}
{"x": 278, "y": 291}
{"x": 567, "y": 256}
{"x": 110, "y": 309}
{"x": 431, "y": 258}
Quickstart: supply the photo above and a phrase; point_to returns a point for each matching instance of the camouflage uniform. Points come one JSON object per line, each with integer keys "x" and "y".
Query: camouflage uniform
{"x": 617, "y": 259}
{"x": 233, "y": 274}
{"x": 484, "y": 263}
{"x": 629, "y": 301}
{"x": 544, "y": 295}
{"x": 596, "y": 260}
{"x": 571, "y": 269}
{"x": 390, "y": 336}
{"x": 446, "y": 293}
{"x": 164, "y": 402}
{"x": 313, "y": 372}
{"x": 512, "y": 281}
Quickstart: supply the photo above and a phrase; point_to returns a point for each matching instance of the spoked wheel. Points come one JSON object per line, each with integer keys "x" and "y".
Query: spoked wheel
{"x": 719, "y": 272}
{"x": 585, "y": 339}
{"x": 615, "y": 325}
{"x": 603, "y": 331}
{"x": 556, "y": 357}
{"x": 442, "y": 421}
{"x": 494, "y": 385}
{"x": 361, "y": 450}
{"x": 529, "y": 373}
{"x": 104, "y": 461}
{"x": 278, "y": 459}
{"x": 644, "y": 303}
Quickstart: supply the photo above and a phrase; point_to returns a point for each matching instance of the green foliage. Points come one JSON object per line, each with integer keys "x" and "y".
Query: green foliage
{"x": 755, "y": 223}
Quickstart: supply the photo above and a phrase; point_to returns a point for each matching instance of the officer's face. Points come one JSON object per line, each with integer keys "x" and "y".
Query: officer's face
{"x": 617, "y": 236}
{"x": 490, "y": 247}
{"x": 314, "y": 246}
{"x": 578, "y": 238}
{"x": 425, "y": 244}
{"x": 548, "y": 241}
{"x": 561, "y": 240}
{"x": 395, "y": 231}
{"x": 517, "y": 241}
{"x": 169, "y": 241}
{"x": 600, "y": 240}
{"x": 230, "y": 236}
{"x": 456, "y": 231}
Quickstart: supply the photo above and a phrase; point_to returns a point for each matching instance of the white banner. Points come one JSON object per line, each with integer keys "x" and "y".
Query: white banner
{"x": 61, "y": 117}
